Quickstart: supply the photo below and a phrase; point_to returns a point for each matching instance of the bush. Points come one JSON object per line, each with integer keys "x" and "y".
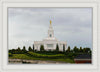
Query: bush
{"x": 10, "y": 55}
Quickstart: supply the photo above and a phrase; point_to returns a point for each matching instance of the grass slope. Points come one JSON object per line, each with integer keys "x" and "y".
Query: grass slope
{"x": 24, "y": 56}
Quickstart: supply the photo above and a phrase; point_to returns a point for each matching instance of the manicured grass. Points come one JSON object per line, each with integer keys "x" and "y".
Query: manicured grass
{"x": 19, "y": 56}
{"x": 37, "y": 55}
{"x": 25, "y": 56}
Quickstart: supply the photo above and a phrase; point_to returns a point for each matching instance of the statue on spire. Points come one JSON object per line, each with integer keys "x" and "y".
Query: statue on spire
{"x": 50, "y": 21}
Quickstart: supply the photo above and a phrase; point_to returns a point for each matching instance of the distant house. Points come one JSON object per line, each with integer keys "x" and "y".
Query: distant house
{"x": 83, "y": 58}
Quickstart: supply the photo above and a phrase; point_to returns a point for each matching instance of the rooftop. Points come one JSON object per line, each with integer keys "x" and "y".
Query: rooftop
{"x": 83, "y": 56}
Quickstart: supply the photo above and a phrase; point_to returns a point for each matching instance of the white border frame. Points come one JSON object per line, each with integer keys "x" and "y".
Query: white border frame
{"x": 27, "y": 66}
{"x": 49, "y": 67}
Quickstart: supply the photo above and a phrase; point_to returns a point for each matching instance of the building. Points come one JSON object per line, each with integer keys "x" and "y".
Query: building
{"x": 50, "y": 42}
{"x": 83, "y": 58}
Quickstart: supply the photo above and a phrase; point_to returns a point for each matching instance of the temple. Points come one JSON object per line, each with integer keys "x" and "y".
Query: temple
{"x": 50, "y": 43}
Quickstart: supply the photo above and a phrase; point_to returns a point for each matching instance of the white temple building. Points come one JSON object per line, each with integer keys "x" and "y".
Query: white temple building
{"x": 50, "y": 42}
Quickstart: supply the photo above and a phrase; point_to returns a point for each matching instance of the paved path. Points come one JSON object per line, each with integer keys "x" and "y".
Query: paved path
{"x": 20, "y": 61}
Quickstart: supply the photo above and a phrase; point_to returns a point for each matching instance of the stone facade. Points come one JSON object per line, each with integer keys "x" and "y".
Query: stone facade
{"x": 50, "y": 42}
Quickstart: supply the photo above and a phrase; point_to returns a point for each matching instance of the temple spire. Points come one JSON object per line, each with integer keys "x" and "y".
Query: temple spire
{"x": 50, "y": 24}
{"x": 50, "y": 31}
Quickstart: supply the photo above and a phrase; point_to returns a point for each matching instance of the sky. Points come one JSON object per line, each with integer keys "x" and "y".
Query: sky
{"x": 26, "y": 25}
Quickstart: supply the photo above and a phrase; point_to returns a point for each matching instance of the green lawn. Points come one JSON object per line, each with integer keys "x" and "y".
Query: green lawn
{"x": 25, "y": 56}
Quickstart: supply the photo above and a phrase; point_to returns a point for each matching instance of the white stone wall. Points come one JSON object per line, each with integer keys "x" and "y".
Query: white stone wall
{"x": 37, "y": 45}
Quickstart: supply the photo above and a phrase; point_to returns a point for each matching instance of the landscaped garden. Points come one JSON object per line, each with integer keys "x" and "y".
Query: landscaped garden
{"x": 66, "y": 56}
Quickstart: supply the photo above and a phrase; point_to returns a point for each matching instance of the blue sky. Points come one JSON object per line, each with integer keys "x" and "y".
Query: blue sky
{"x": 26, "y": 25}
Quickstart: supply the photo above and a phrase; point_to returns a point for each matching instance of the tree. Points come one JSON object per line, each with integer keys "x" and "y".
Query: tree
{"x": 41, "y": 48}
{"x": 68, "y": 50}
{"x": 63, "y": 48}
{"x": 81, "y": 50}
{"x": 24, "y": 49}
{"x": 13, "y": 51}
{"x": 30, "y": 49}
{"x": 33, "y": 47}
{"x": 86, "y": 50}
{"x": 90, "y": 52}
{"x": 18, "y": 50}
{"x": 76, "y": 50}
{"x": 57, "y": 47}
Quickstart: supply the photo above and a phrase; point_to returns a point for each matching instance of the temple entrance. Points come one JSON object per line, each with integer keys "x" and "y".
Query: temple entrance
{"x": 49, "y": 47}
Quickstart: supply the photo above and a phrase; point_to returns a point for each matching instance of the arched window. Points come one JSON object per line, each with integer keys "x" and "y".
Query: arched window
{"x": 50, "y": 35}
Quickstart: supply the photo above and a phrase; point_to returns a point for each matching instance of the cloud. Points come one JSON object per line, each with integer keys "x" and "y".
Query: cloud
{"x": 27, "y": 25}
